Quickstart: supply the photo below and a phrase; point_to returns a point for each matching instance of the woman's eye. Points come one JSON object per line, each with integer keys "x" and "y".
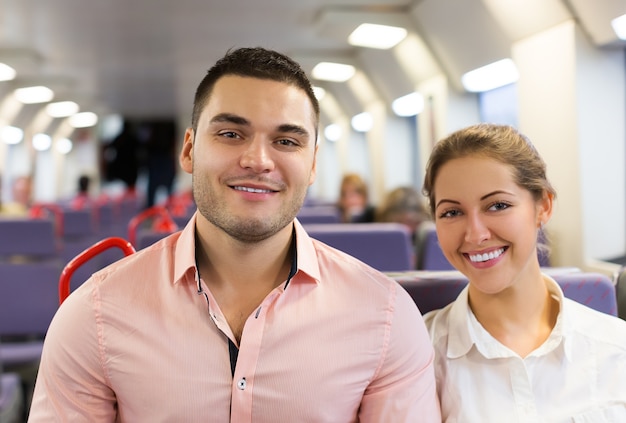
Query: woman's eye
{"x": 499, "y": 206}
{"x": 449, "y": 213}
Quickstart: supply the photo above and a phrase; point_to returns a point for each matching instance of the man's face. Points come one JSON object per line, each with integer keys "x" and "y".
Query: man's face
{"x": 252, "y": 157}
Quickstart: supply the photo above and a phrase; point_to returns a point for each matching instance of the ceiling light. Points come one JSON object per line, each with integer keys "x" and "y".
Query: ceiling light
{"x": 362, "y": 122}
{"x": 7, "y": 73}
{"x": 33, "y": 95}
{"x": 319, "y": 93}
{"x": 333, "y": 132}
{"x": 494, "y": 75}
{"x": 63, "y": 145}
{"x": 336, "y": 72}
{"x": 11, "y": 135}
{"x": 408, "y": 105}
{"x": 377, "y": 36}
{"x": 41, "y": 142}
{"x": 62, "y": 109}
{"x": 619, "y": 26}
{"x": 83, "y": 120}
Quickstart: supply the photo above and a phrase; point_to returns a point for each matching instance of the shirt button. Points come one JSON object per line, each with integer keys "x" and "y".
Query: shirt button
{"x": 241, "y": 384}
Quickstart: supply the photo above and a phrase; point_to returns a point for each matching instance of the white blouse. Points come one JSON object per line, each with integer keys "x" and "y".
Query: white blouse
{"x": 577, "y": 375}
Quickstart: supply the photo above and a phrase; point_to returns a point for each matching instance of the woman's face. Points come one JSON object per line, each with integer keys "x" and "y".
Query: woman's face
{"x": 486, "y": 223}
{"x": 352, "y": 199}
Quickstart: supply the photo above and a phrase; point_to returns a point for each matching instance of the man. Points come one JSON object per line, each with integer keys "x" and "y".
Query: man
{"x": 241, "y": 317}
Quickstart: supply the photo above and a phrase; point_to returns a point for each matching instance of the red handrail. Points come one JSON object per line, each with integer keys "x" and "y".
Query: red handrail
{"x": 87, "y": 254}
{"x": 37, "y": 212}
{"x": 163, "y": 222}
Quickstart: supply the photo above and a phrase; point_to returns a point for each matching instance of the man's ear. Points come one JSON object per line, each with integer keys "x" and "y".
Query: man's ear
{"x": 186, "y": 154}
{"x": 314, "y": 168}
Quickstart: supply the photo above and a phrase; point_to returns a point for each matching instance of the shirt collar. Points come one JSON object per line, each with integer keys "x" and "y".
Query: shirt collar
{"x": 468, "y": 331}
{"x": 305, "y": 256}
{"x": 185, "y": 254}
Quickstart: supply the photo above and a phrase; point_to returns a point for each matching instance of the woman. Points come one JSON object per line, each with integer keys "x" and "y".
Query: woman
{"x": 353, "y": 202}
{"x": 402, "y": 205}
{"x": 511, "y": 347}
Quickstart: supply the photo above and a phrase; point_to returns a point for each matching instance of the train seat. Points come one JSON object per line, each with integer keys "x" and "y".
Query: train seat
{"x": 384, "y": 246}
{"x": 429, "y": 254}
{"x": 436, "y": 289}
{"x": 30, "y": 265}
{"x": 11, "y": 398}
{"x": 318, "y": 214}
{"x": 620, "y": 286}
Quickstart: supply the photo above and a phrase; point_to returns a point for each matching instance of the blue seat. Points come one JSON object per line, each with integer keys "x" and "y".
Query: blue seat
{"x": 384, "y": 246}
{"x": 435, "y": 289}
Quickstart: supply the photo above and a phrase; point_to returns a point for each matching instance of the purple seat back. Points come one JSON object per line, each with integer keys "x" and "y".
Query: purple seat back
{"x": 318, "y": 214}
{"x": 27, "y": 237}
{"x": 30, "y": 267}
{"x": 28, "y": 297}
{"x": 78, "y": 223}
{"x": 384, "y": 246}
{"x": 434, "y": 290}
{"x": 11, "y": 397}
{"x": 620, "y": 281}
{"x": 429, "y": 254}
{"x": 146, "y": 238}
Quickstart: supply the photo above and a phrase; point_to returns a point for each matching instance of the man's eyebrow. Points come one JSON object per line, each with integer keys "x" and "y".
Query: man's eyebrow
{"x": 294, "y": 129}
{"x": 231, "y": 118}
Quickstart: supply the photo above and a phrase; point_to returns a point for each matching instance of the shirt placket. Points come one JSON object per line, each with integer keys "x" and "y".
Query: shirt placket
{"x": 249, "y": 350}
{"x": 524, "y": 399}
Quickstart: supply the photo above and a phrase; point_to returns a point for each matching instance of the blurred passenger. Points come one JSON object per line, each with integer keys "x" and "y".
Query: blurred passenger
{"x": 241, "y": 317}
{"x": 83, "y": 197}
{"x": 403, "y": 205}
{"x": 161, "y": 160}
{"x": 21, "y": 197}
{"x": 512, "y": 347}
{"x": 354, "y": 206}
{"x": 122, "y": 159}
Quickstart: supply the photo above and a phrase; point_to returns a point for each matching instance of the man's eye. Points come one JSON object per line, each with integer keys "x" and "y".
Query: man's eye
{"x": 229, "y": 134}
{"x": 286, "y": 142}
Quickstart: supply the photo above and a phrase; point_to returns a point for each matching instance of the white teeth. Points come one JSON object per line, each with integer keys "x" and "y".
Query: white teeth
{"x": 255, "y": 190}
{"x": 476, "y": 258}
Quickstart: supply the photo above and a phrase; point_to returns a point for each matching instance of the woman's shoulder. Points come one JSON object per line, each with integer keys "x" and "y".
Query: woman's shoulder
{"x": 596, "y": 325}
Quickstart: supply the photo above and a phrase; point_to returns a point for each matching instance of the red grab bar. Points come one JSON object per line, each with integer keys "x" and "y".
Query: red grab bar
{"x": 87, "y": 254}
{"x": 163, "y": 222}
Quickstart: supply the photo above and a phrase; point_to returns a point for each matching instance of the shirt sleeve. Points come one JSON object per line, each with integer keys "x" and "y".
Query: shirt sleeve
{"x": 71, "y": 383}
{"x": 404, "y": 388}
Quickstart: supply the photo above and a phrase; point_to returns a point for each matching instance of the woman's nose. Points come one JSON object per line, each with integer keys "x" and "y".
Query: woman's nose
{"x": 477, "y": 231}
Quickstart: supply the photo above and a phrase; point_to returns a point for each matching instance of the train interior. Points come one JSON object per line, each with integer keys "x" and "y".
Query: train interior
{"x": 127, "y": 71}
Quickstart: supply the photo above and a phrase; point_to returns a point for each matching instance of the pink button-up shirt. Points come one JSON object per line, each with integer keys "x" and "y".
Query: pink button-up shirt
{"x": 138, "y": 343}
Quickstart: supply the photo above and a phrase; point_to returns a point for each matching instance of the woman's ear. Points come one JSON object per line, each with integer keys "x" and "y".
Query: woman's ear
{"x": 544, "y": 208}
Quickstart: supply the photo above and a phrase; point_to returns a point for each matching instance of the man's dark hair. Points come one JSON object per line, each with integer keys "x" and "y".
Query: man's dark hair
{"x": 255, "y": 62}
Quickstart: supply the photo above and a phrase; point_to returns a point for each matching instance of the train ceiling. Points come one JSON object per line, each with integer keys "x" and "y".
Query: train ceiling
{"x": 144, "y": 58}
